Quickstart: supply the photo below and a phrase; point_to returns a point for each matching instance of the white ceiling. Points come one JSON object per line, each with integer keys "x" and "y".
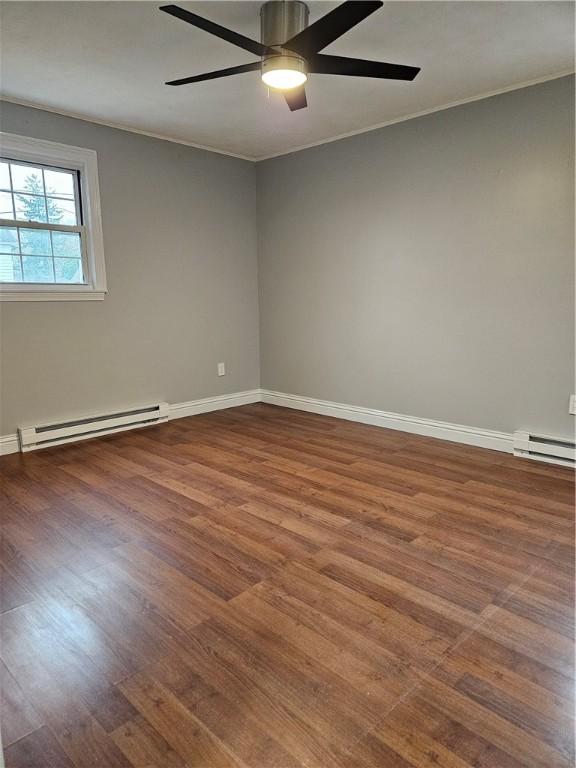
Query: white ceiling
{"x": 107, "y": 61}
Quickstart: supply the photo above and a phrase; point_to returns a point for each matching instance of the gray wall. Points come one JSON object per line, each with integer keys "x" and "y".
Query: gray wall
{"x": 180, "y": 248}
{"x": 427, "y": 268}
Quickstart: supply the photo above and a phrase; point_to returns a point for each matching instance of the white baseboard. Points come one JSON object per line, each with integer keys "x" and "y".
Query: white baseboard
{"x": 443, "y": 430}
{"x": 457, "y": 433}
{"x": 194, "y": 407}
{"x": 9, "y": 444}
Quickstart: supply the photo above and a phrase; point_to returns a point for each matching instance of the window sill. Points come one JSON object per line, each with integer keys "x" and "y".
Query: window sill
{"x": 52, "y": 295}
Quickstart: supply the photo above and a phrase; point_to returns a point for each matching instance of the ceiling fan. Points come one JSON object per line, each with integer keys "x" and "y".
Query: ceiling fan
{"x": 290, "y": 49}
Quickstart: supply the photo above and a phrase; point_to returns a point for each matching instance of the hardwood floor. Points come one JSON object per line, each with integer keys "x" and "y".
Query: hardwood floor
{"x": 265, "y": 588}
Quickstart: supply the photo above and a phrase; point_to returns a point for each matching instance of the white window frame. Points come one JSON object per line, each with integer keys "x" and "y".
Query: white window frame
{"x": 79, "y": 159}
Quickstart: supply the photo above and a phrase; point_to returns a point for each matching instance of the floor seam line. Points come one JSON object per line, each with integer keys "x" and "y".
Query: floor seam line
{"x": 461, "y": 639}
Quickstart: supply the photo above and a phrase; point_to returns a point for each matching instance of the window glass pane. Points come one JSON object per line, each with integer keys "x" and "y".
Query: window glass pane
{"x": 26, "y": 178}
{"x": 30, "y": 208}
{"x": 4, "y": 176}
{"x": 61, "y": 211}
{"x": 68, "y": 270}
{"x": 8, "y": 240}
{"x": 35, "y": 242}
{"x": 10, "y": 269}
{"x": 37, "y": 269}
{"x": 66, "y": 244}
{"x": 6, "y": 209}
{"x": 41, "y": 243}
{"x": 59, "y": 183}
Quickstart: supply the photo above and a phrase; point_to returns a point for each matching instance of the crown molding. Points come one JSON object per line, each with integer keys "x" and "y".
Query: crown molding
{"x": 121, "y": 127}
{"x": 413, "y": 115}
{"x": 299, "y": 148}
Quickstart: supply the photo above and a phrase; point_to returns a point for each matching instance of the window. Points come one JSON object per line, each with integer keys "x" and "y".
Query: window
{"x": 49, "y": 248}
{"x": 50, "y": 230}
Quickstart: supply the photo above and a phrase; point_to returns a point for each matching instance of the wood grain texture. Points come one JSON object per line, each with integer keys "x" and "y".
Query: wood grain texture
{"x": 265, "y": 588}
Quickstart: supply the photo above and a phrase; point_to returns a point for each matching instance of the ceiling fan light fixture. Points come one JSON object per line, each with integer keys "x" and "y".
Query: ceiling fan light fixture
{"x": 284, "y": 72}
{"x": 290, "y": 47}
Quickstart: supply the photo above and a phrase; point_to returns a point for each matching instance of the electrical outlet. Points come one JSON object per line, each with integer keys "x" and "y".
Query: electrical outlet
{"x": 221, "y": 369}
{"x": 572, "y": 406}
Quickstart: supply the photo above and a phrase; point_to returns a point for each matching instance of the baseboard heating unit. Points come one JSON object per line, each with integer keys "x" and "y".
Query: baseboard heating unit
{"x": 46, "y": 435}
{"x": 544, "y": 448}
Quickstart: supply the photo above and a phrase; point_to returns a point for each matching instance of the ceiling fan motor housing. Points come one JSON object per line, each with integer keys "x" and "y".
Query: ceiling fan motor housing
{"x": 290, "y": 47}
{"x": 281, "y": 20}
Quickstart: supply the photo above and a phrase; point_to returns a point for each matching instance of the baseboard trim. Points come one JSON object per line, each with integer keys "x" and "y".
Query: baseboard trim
{"x": 207, "y": 404}
{"x": 443, "y": 430}
{"x": 9, "y": 444}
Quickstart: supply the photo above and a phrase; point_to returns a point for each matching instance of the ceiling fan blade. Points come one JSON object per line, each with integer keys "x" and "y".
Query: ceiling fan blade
{"x": 215, "y": 29}
{"x": 296, "y": 98}
{"x": 331, "y": 26}
{"x": 340, "y": 65}
{"x": 215, "y": 75}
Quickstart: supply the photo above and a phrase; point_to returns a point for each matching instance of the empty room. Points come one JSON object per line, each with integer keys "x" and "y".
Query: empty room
{"x": 287, "y": 384}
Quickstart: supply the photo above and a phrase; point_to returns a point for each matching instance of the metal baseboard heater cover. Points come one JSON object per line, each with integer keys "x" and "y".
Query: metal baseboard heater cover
{"x": 47, "y": 435}
{"x": 544, "y": 448}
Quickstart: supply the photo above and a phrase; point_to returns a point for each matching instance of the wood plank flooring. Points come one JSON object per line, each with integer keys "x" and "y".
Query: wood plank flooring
{"x": 263, "y": 588}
